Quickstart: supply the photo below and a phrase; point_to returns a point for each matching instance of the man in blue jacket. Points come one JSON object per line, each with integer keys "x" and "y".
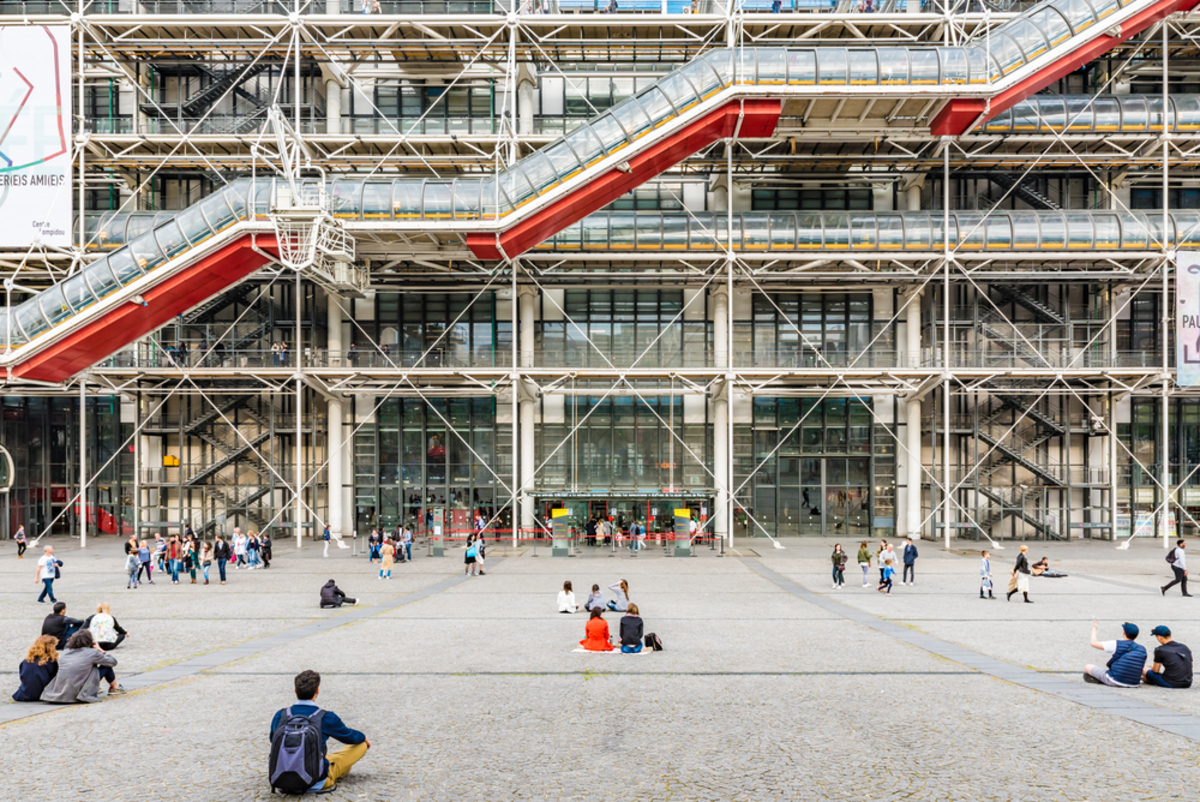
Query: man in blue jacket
{"x": 910, "y": 559}
{"x": 337, "y": 765}
{"x": 1124, "y": 669}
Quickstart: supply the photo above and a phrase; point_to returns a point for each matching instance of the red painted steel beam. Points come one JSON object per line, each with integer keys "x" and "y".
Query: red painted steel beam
{"x": 956, "y": 117}
{"x": 758, "y": 120}
{"x": 123, "y": 324}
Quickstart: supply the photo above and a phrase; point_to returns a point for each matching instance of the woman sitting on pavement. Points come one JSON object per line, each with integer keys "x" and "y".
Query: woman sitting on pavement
{"x": 595, "y": 599}
{"x": 81, "y": 666}
{"x": 107, "y": 633}
{"x": 566, "y": 599}
{"x": 621, "y": 603}
{"x": 37, "y": 669}
{"x": 597, "y": 639}
{"x": 631, "y": 631}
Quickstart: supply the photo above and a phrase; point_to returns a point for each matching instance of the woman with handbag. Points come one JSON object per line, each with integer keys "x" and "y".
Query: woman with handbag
{"x": 1020, "y": 577}
{"x": 206, "y": 558}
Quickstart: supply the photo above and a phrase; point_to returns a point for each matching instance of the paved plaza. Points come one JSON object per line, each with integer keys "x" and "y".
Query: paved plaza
{"x": 772, "y": 685}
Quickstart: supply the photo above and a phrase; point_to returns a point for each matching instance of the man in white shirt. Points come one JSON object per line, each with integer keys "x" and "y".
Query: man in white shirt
{"x": 47, "y": 566}
{"x": 1179, "y": 567}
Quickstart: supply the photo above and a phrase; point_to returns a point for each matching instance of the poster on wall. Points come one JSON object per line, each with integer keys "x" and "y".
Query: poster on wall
{"x": 1187, "y": 318}
{"x": 35, "y": 135}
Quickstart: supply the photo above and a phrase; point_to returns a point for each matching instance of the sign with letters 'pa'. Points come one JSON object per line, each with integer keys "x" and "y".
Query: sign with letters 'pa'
{"x": 1187, "y": 318}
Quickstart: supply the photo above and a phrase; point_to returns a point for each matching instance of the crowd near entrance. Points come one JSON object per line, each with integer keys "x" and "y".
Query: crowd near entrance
{"x": 655, "y": 512}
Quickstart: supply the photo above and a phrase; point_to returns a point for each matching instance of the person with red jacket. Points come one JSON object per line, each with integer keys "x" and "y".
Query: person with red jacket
{"x": 597, "y": 639}
{"x": 174, "y": 558}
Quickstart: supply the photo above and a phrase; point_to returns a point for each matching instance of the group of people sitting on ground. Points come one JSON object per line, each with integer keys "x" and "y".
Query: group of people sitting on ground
{"x": 1172, "y": 666}
{"x": 69, "y": 659}
{"x": 596, "y": 635}
{"x": 595, "y": 599}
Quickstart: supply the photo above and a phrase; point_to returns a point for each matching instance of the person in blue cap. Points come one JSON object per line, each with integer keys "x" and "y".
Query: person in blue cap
{"x": 1172, "y": 662}
{"x": 1124, "y": 668}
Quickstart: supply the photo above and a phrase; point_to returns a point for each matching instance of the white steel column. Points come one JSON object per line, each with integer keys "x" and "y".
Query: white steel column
{"x": 333, "y": 106}
{"x": 82, "y": 464}
{"x": 334, "y": 440}
{"x": 720, "y": 402}
{"x": 912, "y": 421}
{"x": 1165, "y": 309}
{"x": 526, "y": 92}
{"x": 526, "y": 296}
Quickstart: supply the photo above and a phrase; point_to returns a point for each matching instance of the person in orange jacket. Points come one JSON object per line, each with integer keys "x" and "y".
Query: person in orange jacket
{"x": 597, "y": 639}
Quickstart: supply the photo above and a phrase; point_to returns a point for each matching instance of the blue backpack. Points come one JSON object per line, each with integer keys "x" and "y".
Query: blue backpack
{"x": 297, "y": 752}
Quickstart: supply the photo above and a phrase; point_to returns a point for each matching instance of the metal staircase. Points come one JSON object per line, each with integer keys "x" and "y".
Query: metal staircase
{"x": 1009, "y": 501}
{"x": 1023, "y": 191}
{"x": 1024, "y": 297}
{"x": 197, "y": 104}
{"x": 232, "y": 495}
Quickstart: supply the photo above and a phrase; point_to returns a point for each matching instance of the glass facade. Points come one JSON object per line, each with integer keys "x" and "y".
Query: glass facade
{"x": 624, "y": 443}
{"x": 818, "y": 467}
{"x": 42, "y": 436}
{"x": 625, "y": 328}
{"x": 408, "y": 463}
{"x": 449, "y": 329}
{"x": 814, "y": 330}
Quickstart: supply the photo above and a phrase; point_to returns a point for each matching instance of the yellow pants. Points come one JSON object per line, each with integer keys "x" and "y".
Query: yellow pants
{"x": 341, "y": 761}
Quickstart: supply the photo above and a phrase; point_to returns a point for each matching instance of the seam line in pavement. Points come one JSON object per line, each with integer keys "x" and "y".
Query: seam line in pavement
{"x": 1094, "y": 697}
{"x": 15, "y": 711}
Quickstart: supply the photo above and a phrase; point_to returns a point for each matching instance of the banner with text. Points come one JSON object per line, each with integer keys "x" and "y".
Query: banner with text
{"x": 1187, "y": 318}
{"x": 35, "y": 131}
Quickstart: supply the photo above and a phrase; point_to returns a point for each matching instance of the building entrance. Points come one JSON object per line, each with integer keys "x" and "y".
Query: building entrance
{"x": 656, "y": 512}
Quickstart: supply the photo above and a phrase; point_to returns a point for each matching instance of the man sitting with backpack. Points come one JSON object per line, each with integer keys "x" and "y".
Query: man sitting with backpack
{"x": 298, "y": 734}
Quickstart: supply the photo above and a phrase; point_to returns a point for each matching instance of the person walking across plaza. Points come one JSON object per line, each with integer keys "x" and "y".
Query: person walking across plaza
{"x": 864, "y": 561}
{"x": 1178, "y": 561}
{"x": 1020, "y": 574}
{"x": 253, "y": 550}
{"x": 985, "y": 575}
{"x": 326, "y": 537}
{"x": 131, "y": 568}
{"x": 1172, "y": 662}
{"x": 1124, "y": 668}
{"x": 469, "y": 556}
{"x": 264, "y": 543}
{"x": 885, "y": 584}
{"x": 21, "y": 542}
{"x": 408, "y": 536}
{"x": 145, "y": 562}
{"x": 47, "y": 572}
{"x": 174, "y": 558}
{"x": 839, "y": 566}
{"x": 221, "y": 552}
{"x": 333, "y": 766}
{"x": 191, "y": 558}
{"x": 909, "y": 577}
{"x": 206, "y": 558}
